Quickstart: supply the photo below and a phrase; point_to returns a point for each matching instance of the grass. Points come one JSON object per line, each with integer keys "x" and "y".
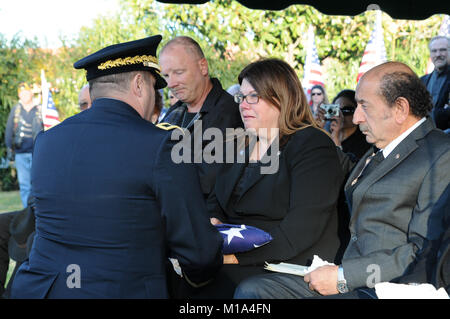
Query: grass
{"x": 10, "y": 201}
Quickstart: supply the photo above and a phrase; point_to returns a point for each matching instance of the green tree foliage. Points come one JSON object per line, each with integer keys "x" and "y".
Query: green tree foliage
{"x": 17, "y": 59}
{"x": 232, "y": 33}
{"x": 231, "y": 36}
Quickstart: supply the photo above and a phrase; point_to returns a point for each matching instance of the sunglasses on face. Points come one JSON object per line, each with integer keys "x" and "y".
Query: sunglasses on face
{"x": 316, "y": 93}
{"x": 348, "y": 110}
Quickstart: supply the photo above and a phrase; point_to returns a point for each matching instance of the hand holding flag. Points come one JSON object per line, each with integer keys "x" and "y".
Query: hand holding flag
{"x": 241, "y": 238}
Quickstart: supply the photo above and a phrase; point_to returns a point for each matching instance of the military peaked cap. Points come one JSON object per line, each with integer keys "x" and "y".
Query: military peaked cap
{"x": 138, "y": 55}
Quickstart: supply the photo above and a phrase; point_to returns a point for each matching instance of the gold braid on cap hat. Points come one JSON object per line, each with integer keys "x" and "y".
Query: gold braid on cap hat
{"x": 147, "y": 60}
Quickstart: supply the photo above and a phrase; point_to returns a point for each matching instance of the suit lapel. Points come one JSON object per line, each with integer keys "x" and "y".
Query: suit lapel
{"x": 357, "y": 169}
{"x": 226, "y": 187}
{"x": 234, "y": 173}
{"x": 255, "y": 174}
{"x": 398, "y": 155}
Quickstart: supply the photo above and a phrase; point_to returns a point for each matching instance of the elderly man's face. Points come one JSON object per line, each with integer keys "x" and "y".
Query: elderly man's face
{"x": 183, "y": 72}
{"x": 25, "y": 95}
{"x": 148, "y": 96}
{"x": 439, "y": 53}
{"x": 373, "y": 115}
{"x": 84, "y": 99}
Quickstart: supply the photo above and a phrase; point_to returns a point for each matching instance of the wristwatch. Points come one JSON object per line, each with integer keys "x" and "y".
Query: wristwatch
{"x": 341, "y": 282}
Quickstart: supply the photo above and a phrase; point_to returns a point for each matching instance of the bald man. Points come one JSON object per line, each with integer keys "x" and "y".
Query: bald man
{"x": 390, "y": 199}
{"x": 84, "y": 99}
{"x": 202, "y": 102}
{"x": 438, "y": 81}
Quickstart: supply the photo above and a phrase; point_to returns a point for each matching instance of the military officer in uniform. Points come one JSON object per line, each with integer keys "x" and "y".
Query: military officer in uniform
{"x": 109, "y": 206}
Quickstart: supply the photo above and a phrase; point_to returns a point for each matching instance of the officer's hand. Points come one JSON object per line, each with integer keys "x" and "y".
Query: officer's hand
{"x": 215, "y": 221}
{"x": 230, "y": 259}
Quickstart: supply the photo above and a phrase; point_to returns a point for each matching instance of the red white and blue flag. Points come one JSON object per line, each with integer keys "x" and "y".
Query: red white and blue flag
{"x": 444, "y": 30}
{"x": 375, "y": 52}
{"x": 312, "y": 70}
{"x": 50, "y": 115}
{"x": 241, "y": 238}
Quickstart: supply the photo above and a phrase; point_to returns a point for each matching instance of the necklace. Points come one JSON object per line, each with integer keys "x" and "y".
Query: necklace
{"x": 194, "y": 118}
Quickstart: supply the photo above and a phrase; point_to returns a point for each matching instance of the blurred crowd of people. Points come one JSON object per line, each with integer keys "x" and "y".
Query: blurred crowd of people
{"x": 360, "y": 181}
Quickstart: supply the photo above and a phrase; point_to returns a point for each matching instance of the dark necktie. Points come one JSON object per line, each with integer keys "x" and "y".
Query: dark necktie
{"x": 371, "y": 162}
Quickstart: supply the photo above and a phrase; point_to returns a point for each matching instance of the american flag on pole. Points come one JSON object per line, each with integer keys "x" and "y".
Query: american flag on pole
{"x": 313, "y": 70}
{"x": 444, "y": 30}
{"x": 50, "y": 115}
{"x": 375, "y": 52}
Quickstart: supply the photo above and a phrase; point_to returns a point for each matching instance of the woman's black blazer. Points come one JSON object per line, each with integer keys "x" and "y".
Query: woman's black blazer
{"x": 297, "y": 204}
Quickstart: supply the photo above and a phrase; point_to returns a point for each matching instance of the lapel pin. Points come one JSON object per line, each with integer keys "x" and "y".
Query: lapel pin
{"x": 397, "y": 156}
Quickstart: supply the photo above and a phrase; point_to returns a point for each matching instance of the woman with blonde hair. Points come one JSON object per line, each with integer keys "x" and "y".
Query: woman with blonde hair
{"x": 296, "y": 203}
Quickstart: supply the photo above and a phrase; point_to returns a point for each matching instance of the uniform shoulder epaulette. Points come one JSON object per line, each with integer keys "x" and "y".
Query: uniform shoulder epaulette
{"x": 168, "y": 126}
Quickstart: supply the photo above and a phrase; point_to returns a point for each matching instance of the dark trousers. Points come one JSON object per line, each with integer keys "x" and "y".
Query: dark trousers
{"x": 221, "y": 287}
{"x": 5, "y": 221}
{"x": 285, "y": 286}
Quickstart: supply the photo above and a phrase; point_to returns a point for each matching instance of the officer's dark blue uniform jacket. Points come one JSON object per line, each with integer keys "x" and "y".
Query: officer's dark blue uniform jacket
{"x": 111, "y": 206}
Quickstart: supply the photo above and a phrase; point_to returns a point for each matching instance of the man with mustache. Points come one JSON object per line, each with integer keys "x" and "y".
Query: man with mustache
{"x": 391, "y": 193}
{"x": 438, "y": 82}
{"x": 201, "y": 98}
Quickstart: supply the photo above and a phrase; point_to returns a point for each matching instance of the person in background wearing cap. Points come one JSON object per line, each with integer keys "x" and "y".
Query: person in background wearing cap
{"x": 105, "y": 184}
{"x": 84, "y": 99}
{"x": 23, "y": 125}
{"x": 201, "y": 99}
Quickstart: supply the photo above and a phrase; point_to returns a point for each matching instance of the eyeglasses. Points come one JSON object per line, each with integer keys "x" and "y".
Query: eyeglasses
{"x": 251, "y": 98}
{"x": 319, "y": 94}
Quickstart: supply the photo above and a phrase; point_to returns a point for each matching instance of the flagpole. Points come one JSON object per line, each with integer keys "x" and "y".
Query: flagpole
{"x": 312, "y": 74}
{"x": 50, "y": 116}
{"x": 375, "y": 51}
{"x": 44, "y": 91}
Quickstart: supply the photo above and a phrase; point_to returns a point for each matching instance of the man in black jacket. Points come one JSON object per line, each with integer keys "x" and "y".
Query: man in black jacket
{"x": 202, "y": 100}
{"x": 23, "y": 125}
{"x": 438, "y": 82}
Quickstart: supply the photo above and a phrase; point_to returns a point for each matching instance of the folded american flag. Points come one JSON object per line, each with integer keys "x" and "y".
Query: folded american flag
{"x": 240, "y": 238}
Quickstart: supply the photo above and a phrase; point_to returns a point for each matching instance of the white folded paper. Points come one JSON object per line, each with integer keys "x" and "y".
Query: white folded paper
{"x": 176, "y": 266}
{"x": 388, "y": 290}
{"x": 294, "y": 269}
